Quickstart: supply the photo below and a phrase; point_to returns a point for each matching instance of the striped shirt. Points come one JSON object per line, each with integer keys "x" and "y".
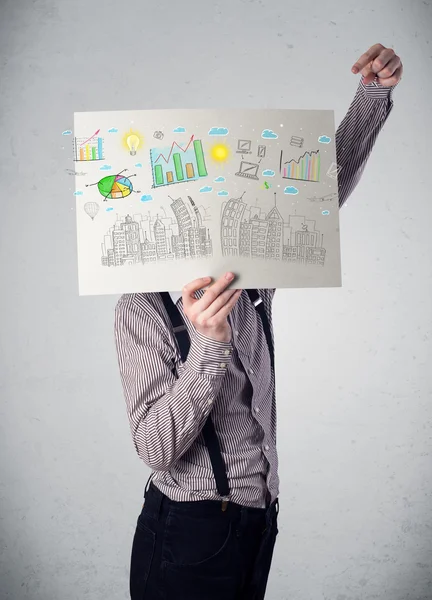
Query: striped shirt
{"x": 233, "y": 380}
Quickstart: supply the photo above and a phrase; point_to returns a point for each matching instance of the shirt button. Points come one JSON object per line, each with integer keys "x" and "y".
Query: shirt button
{"x": 266, "y": 448}
{"x": 223, "y": 365}
{"x": 227, "y": 352}
{"x": 250, "y": 371}
{"x": 256, "y": 409}
{"x": 209, "y": 401}
{"x": 236, "y": 332}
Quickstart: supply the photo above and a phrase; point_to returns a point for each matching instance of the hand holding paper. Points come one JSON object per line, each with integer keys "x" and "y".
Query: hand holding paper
{"x": 381, "y": 63}
{"x": 209, "y": 313}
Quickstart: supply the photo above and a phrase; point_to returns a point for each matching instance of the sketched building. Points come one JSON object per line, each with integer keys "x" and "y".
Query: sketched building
{"x": 193, "y": 240}
{"x": 148, "y": 250}
{"x": 182, "y": 214}
{"x": 252, "y": 234}
{"x": 160, "y": 239}
{"x": 231, "y": 236}
{"x": 259, "y": 231}
{"x": 274, "y": 242}
{"x": 122, "y": 245}
{"x": 149, "y": 239}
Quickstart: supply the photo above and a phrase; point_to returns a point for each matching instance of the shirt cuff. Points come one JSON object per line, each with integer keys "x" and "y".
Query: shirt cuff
{"x": 376, "y": 90}
{"x": 207, "y": 356}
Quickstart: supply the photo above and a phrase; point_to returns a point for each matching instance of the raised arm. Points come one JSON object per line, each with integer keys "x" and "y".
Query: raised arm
{"x": 381, "y": 69}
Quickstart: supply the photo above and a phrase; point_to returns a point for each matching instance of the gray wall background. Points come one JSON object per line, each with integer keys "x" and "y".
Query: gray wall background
{"x": 353, "y": 365}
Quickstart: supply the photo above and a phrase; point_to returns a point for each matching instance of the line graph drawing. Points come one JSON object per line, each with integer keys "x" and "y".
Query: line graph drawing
{"x": 88, "y": 149}
{"x": 185, "y": 164}
{"x": 91, "y": 137}
{"x": 249, "y": 232}
{"x": 306, "y": 168}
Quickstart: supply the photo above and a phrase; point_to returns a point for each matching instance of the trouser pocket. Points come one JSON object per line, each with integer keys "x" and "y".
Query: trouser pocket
{"x": 199, "y": 558}
{"x": 143, "y": 547}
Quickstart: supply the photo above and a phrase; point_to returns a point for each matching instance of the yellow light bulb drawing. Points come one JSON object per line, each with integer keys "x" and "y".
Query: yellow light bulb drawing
{"x": 133, "y": 142}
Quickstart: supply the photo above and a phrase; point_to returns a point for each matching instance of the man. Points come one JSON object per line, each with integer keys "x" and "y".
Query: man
{"x": 198, "y": 378}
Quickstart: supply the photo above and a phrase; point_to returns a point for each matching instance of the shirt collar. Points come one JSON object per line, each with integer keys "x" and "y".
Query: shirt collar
{"x": 175, "y": 296}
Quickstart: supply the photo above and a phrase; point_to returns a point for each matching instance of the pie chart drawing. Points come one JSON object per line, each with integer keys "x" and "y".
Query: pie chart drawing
{"x": 115, "y": 186}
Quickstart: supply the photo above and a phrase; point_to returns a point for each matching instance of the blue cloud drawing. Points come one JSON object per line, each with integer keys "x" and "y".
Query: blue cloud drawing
{"x": 325, "y": 212}
{"x": 138, "y": 165}
{"x": 110, "y": 208}
{"x": 218, "y": 131}
{"x": 106, "y": 168}
{"x": 113, "y": 130}
{"x": 324, "y": 139}
{"x": 219, "y": 179}
{"x": 290, "y": 190}
{"x": 269, "y": 134}
{"x": 78, "y": 193}
{"x": 67, "y": 132}
{"x": 206, "y": 188}
{"x": 146, "y": 198}
{"x": 268, "y": 173}
{"x": 179, "y": 130}
{"x": 223, "y": 193}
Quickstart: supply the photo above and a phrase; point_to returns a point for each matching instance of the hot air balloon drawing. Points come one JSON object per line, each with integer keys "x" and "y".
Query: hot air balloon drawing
{"x": 92, "y": 209}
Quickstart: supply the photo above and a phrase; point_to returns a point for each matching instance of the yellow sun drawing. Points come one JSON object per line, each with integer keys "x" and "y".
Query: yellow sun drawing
{"x": 220, "y": 152}
{"x": 132, "y": 141}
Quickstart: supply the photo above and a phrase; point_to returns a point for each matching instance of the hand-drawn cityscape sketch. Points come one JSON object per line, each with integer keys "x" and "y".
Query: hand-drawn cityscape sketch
{"x": 248, "y": 231}
{"x": 142, "y": 238}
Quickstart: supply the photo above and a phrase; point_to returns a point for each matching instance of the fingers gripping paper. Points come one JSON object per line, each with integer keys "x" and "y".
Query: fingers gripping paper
{"x": 166, "y": 196}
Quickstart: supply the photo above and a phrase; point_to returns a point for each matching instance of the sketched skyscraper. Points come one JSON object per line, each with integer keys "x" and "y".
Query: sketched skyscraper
{"x": 259, "y": 232}
{"x": 197, "y": 213}
{"x": 193, "y": 240}
{"x": 274, "y": 242}
{"x": 119, "y": 243}
{"x": 231, "y": 221}
{"x": 132, "y": 239}
{"x": 160, "y": 239}
{"x": 182, "y": 214}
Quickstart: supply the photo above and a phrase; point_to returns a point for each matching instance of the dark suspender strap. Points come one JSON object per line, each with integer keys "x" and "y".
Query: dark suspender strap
{"x": 209, "y": 432}
{"x": 178, "y": 325}
{"x": 259, "y": 306}
{"x": 216, "y": 458}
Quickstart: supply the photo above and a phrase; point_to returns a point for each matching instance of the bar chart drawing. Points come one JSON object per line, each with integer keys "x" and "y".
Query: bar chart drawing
{"x": 176, "y": 164}
{"x": 306, "y": 168}
{"x": 88, "y": 149}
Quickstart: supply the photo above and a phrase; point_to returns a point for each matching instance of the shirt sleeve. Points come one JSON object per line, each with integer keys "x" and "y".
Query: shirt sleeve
{"x": 357, "y": 133}
{"x": 166, "y": 414}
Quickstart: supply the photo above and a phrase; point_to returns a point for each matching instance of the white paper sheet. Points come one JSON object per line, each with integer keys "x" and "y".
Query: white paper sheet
{"x": 166, "y": 196}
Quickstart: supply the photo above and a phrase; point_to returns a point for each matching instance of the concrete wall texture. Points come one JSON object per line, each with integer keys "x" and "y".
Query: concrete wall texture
{"x": 354, "y": 365}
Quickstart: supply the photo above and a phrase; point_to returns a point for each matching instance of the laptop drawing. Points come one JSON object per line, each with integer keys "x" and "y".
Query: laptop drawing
{"x": 244, "y": 147}
{"x": 248, "y": 169}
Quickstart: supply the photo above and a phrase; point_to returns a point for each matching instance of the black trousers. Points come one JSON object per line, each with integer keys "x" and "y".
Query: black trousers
{"x": 196, "y": 551}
